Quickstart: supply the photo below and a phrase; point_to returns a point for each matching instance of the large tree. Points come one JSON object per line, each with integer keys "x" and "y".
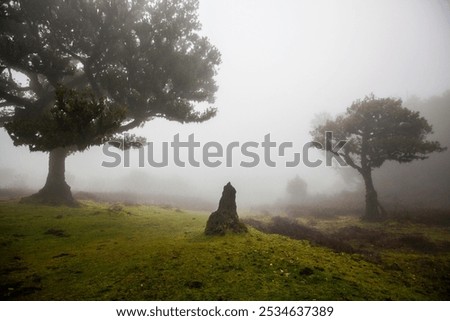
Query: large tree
{"x": 377, "y": 130}
{"x": 76, "y": 121}
{"x": 143, "y": 57}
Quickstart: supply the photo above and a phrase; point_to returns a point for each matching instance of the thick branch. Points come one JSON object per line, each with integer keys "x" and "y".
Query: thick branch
{"x": 68, "y": 51}
{"x": 5, "y": 104}
{"x": 349, "y": 161}
{"x": 35, "y": 84}
{"x": 133, "y": 124}
{"x": 14, "y": 100}
{"x": 22, "y": 89}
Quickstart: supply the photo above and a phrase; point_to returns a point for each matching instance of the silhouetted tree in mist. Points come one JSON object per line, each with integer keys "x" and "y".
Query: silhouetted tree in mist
{"x": 378, "y": 130}
{"x": 297, "y": 190}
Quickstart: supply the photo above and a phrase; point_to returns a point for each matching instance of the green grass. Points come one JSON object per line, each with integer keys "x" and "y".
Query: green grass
{"x": 153, "y": 253}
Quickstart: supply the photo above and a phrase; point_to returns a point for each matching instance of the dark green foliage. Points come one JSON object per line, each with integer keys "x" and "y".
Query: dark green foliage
{"x": 76, "y": 121}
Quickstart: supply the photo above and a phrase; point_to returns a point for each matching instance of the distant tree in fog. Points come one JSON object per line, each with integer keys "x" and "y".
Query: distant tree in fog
{"x": 297, "y": 190}
{"x": 378, "y": 130}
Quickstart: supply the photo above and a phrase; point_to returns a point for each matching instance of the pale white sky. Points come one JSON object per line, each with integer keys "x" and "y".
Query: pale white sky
{"x": 283, "y": 62}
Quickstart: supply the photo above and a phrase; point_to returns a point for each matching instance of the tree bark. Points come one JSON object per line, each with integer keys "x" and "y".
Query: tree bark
{"x": 55, "y": 191}
{"x": 374, "y": 210}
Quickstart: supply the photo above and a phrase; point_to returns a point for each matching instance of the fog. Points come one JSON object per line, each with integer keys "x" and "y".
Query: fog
{"x": 283, "y": 63}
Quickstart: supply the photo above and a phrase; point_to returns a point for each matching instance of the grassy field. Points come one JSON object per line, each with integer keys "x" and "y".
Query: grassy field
{"x": 104, "y": 252}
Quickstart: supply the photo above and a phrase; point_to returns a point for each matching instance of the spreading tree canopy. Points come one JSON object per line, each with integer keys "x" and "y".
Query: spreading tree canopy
{"x": 378, "y": 130}
{"x": 74, "y": 72}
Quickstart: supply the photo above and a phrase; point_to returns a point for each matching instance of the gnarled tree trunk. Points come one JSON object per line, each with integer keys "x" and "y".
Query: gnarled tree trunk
{"x": 374, "y": 210}
{"x": 55, "y": 191}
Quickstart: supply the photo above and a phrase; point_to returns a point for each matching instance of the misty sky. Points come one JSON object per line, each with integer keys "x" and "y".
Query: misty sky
{"x": 283, "y": 62}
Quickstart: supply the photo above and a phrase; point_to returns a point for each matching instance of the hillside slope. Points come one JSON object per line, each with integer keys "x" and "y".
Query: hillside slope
{"x": 104, "y": 252}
